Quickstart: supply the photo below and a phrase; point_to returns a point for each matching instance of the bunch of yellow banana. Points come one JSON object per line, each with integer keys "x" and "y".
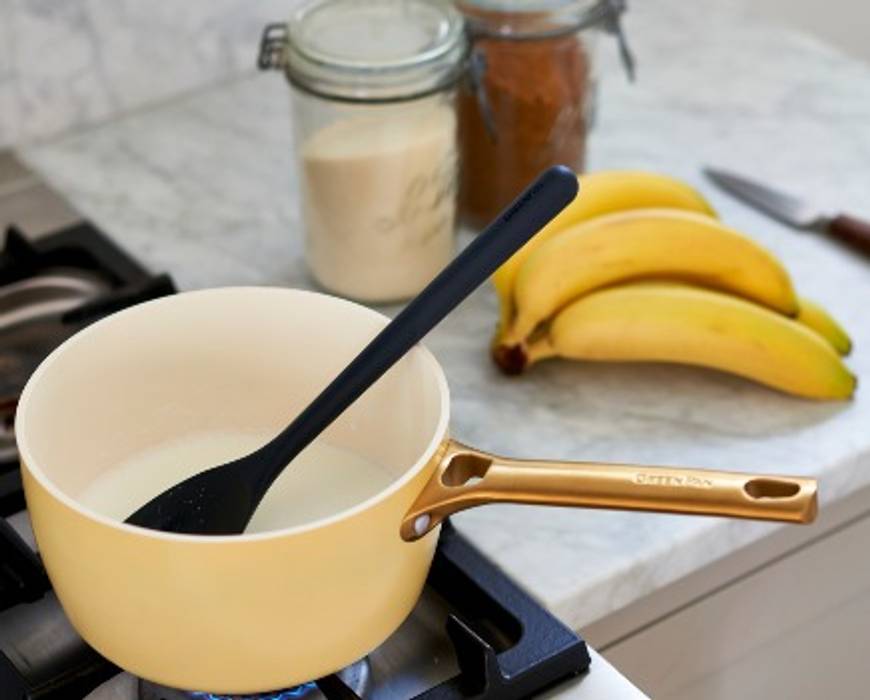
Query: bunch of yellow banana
{"x": 638, "y": 267}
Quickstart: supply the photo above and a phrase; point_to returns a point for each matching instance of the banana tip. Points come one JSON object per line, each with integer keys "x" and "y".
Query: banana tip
{"x": 511, "y": 359}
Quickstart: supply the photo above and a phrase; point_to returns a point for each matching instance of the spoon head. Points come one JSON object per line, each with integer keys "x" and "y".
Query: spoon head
{"x": 217, "y": 501}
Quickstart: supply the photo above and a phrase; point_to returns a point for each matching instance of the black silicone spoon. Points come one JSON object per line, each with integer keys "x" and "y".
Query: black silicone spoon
{"x": 222, "y": 499}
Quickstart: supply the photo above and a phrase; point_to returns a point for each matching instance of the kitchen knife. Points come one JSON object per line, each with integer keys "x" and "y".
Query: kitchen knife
{"x": 793, "y": 211}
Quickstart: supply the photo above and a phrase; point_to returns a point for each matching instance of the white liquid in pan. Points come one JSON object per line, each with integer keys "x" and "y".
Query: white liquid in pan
{"x": 323, "y": 480}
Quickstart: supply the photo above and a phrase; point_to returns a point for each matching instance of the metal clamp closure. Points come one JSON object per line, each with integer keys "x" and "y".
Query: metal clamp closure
{"x": 273, "y": 46}
{"x": 613, "y": 25}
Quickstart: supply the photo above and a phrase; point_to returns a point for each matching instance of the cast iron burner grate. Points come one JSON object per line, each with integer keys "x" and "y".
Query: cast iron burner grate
{"x": 79, "y": 249}
{"x": 354, "y": 679}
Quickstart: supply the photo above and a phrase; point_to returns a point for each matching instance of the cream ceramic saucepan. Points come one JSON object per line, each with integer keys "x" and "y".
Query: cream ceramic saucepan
{"x": 247, "y": 613}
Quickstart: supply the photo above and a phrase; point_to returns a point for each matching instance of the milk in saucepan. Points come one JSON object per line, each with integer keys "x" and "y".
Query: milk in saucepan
{"x": 323, "y": 479}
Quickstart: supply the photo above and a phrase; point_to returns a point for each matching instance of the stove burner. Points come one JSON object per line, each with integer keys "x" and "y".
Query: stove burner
{"x": 51, "y": 287}
{"x": 355, "y": 678}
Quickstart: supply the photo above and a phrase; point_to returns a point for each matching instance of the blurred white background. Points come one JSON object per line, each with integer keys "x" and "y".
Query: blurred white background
{"x": 844, "y": 23}
{"x": 66, "y": 65}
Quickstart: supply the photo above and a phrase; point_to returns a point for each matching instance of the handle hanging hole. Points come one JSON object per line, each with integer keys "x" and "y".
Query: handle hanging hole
{"x": 465, "y": 470}
{"x": 771, "y": 488}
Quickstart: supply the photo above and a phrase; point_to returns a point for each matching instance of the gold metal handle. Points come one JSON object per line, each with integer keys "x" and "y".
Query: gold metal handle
{"x": 465, "y": 478}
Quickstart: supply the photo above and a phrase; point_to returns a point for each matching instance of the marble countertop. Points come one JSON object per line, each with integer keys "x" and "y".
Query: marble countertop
{"x": 203, "y": 187}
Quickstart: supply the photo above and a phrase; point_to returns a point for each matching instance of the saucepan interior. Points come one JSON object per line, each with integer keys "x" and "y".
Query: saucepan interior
{"x": 228, "y": 614}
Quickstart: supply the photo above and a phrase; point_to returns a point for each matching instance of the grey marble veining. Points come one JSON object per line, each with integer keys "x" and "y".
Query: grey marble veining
{"x": 69, "y": 64}
{"x": 203, "y": 187}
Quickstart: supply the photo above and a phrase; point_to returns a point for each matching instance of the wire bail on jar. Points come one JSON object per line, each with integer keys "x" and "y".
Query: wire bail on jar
{"x": 612, "y": 11}
{"x": 273, "y": 44}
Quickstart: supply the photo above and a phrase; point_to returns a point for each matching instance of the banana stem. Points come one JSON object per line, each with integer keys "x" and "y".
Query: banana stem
{"x": 513, "y": 359}
{"x": 510, "y": 359}
{"x": 506, "y": 315}
{"x": 515, "y": 332}
{"x": 539, "y": 350}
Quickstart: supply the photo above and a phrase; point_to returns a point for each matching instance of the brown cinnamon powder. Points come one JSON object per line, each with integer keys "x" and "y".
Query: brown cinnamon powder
{"x": 538, "y": 93}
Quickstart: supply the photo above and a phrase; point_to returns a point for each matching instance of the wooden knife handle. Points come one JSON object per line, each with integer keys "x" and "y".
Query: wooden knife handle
{"x": 851, "y": 231}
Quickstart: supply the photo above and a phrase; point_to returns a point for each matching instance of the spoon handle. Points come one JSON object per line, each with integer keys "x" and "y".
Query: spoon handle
{"x": 535, "y": 207}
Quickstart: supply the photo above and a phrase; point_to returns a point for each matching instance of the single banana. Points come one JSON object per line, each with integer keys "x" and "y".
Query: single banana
{"x": 601, "y": 193}
{"x": 646, "y": 243}
{"x": 814, "y": 316}
{"x": 662, "y": 322}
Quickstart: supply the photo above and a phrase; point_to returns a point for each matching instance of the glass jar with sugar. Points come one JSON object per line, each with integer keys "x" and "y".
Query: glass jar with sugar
{"x": 375, "y": 130}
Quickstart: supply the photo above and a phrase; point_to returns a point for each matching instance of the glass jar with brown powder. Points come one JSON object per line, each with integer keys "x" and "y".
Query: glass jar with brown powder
{"x": 530, "y": 97}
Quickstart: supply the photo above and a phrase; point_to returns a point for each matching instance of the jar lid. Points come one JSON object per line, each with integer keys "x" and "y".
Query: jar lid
{"x": 536, "y": 18}
{"x": 378, "y": 50}
{"x": 529, "y": 5}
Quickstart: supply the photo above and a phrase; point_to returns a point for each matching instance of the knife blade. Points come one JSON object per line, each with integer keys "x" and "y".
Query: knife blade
{"x": 792, "y": 210}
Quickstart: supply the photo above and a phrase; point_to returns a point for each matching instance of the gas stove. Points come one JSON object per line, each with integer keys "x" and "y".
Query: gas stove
{"x": 473, "y": 633}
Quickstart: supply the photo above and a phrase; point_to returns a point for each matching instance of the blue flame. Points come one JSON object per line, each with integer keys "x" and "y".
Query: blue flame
{"x": 300, "y": 691}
